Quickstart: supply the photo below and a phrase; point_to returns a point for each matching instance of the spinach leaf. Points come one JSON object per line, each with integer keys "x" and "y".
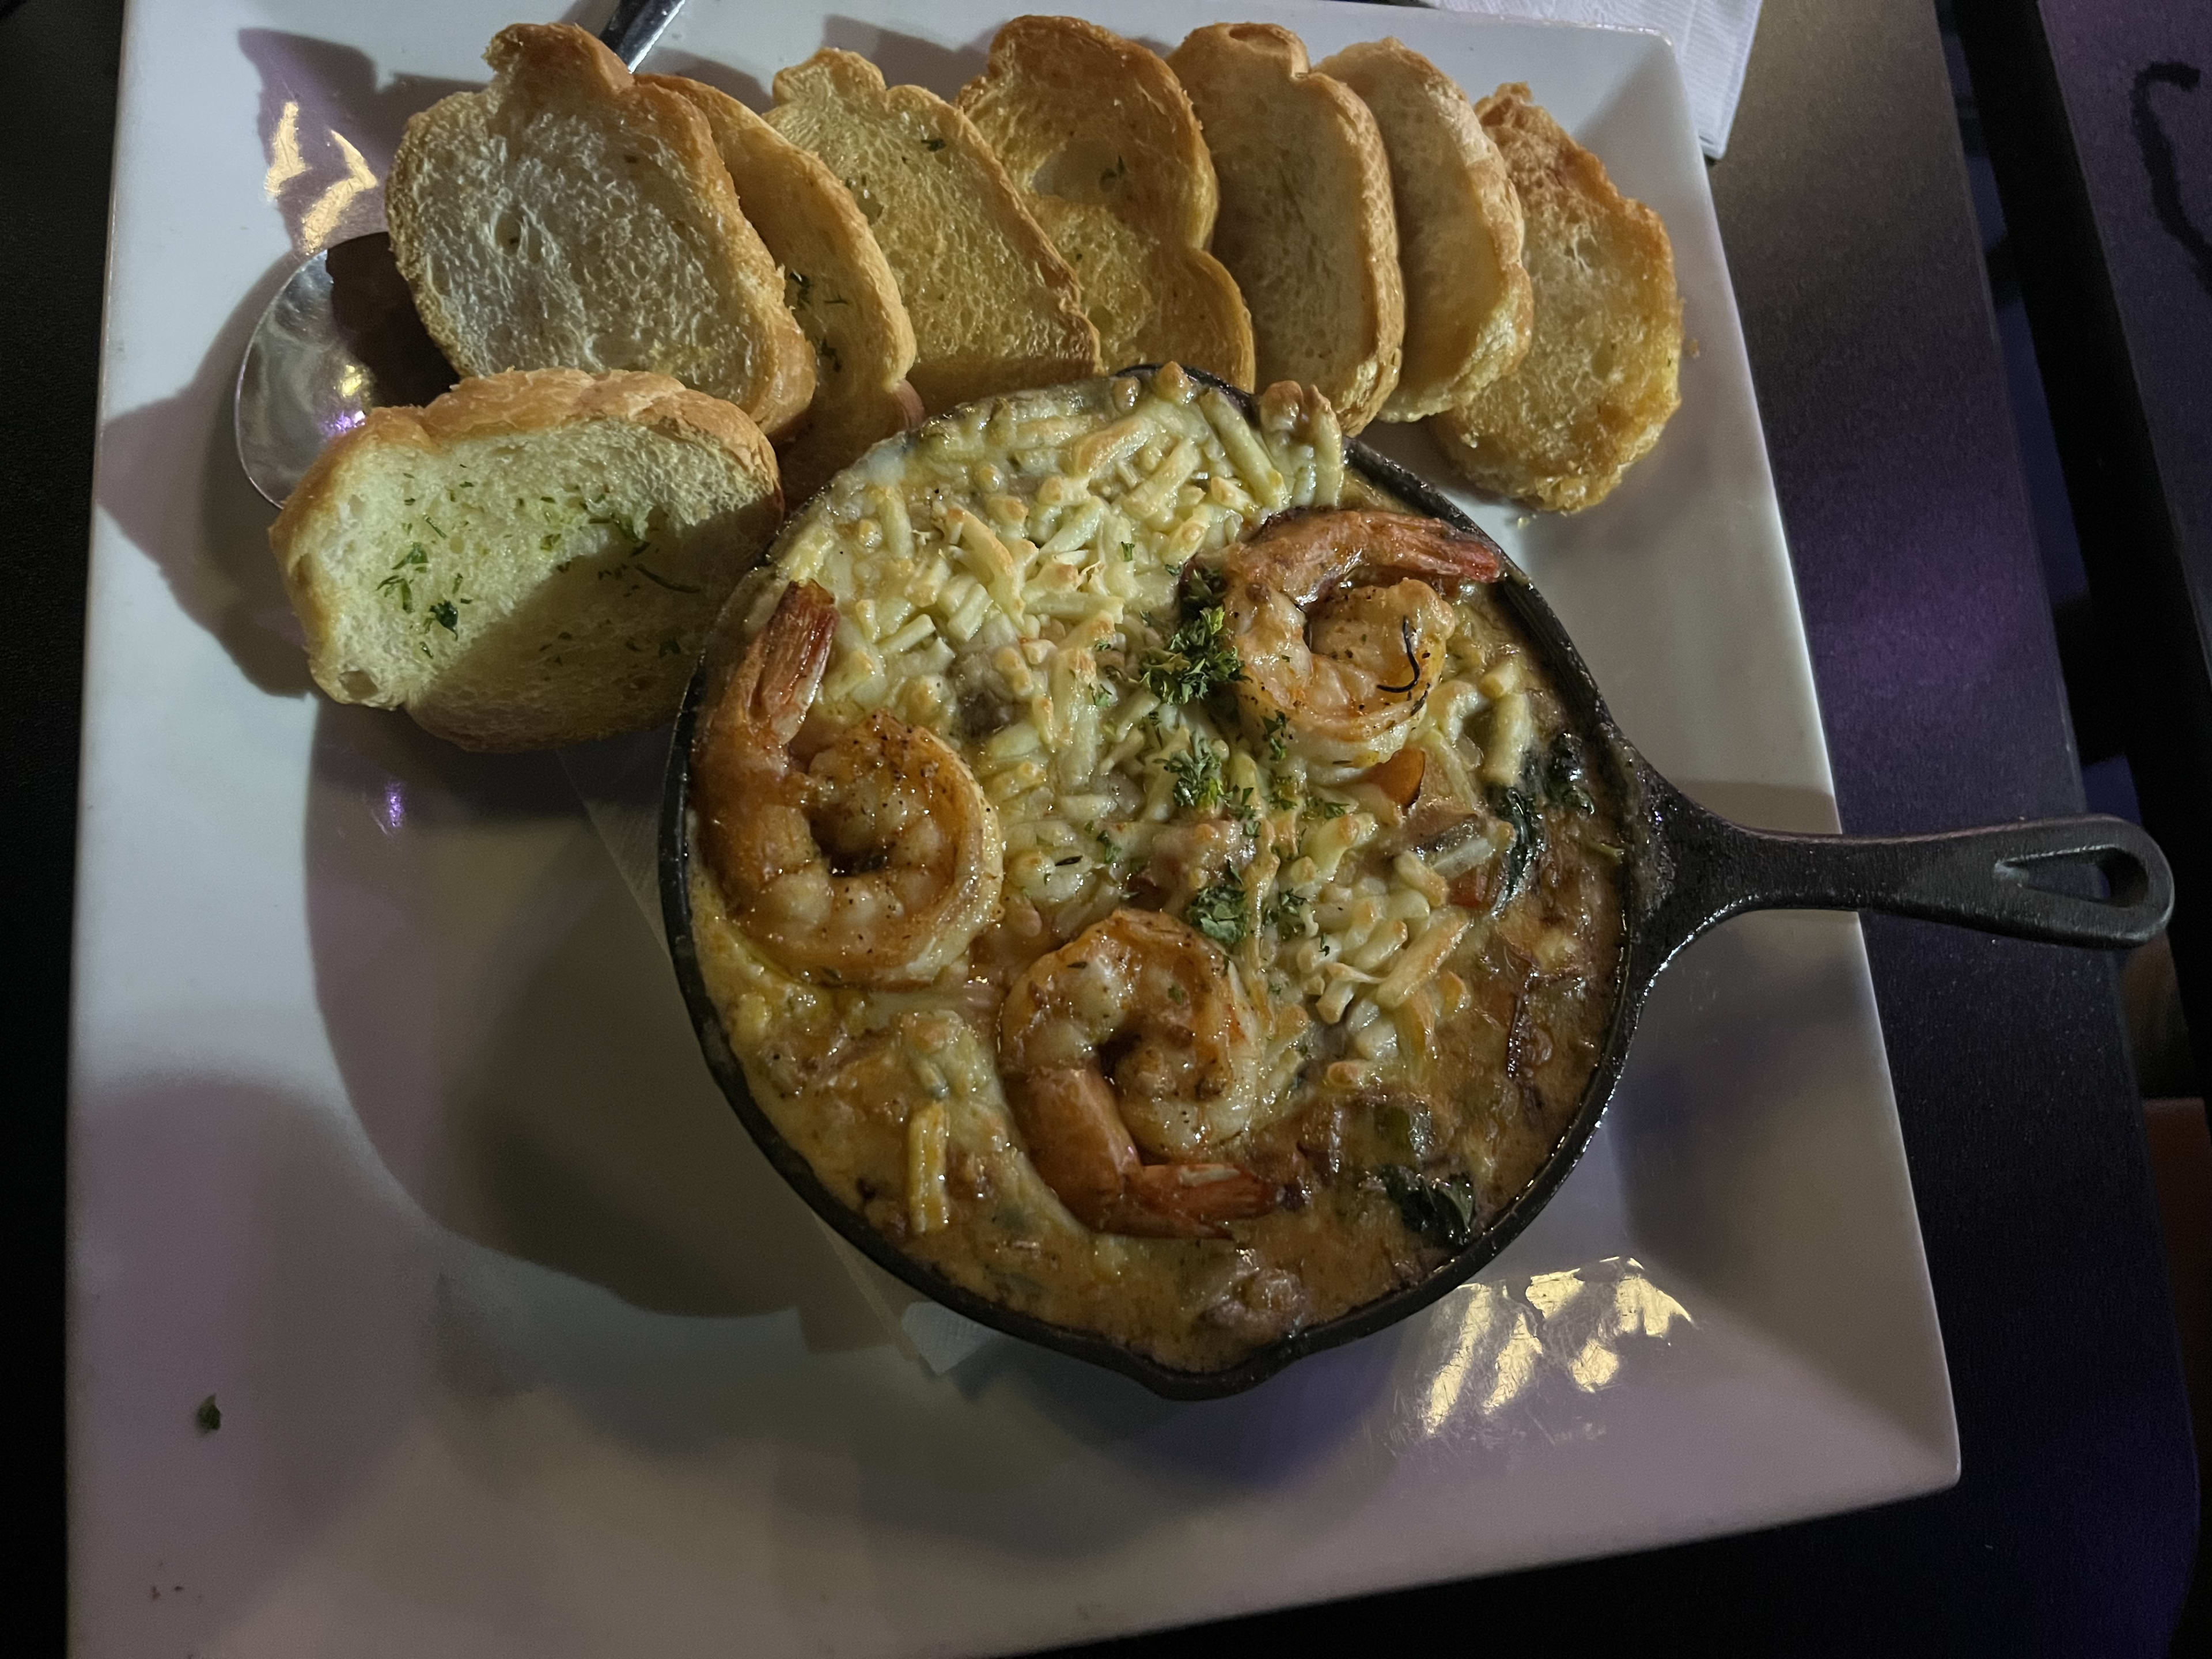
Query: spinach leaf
{"x": 1515, "y": 806}
{"x": 1439, "y": 1208}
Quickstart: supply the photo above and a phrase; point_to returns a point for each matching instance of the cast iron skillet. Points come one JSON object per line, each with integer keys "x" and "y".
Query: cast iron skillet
{"x": 1686, "y": 870}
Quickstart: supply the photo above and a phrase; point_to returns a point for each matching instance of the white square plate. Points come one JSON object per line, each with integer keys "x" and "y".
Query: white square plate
{"x": 388, "y": 1130}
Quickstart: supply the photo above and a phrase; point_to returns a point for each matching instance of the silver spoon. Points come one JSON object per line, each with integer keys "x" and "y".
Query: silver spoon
{"x": 341, "y": 337}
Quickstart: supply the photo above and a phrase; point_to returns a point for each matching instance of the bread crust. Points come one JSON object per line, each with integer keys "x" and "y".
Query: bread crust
{"x": 515, "y": 405}
{"x": 838, "y": 286}
{"x": 1059, "y": 97}
{"x": 1046, "y": 338}
{"x": 1602, "y": 376}
{"x": 1469, "y": 307}
{"x": 1306, "y": 226}
{"x": 538, "y": 66}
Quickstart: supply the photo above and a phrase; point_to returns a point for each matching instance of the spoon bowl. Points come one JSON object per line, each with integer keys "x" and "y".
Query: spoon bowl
{"x": 342, "y": 337}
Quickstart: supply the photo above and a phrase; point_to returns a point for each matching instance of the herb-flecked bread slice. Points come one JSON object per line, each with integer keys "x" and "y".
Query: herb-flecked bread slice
{"x": 1100, "y": 139}
{"x": 836, "y": 281}
{"x": 993, "y": 307}
{"x": 532, "y": 559}
{"x": 1600, "y": 379}
{"x": 1306, "y": 226}
{"x": 568, "y": 217}
{"x": 1468, "y": 308}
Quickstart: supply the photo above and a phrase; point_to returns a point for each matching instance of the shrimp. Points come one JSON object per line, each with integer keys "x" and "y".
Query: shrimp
{"x": 1153, "y": 1000}
{"x": 1335, "y": 658}
{"x": 877, "y": 858}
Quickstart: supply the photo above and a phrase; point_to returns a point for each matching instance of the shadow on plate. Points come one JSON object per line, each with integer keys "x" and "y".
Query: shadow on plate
{"x": 908, "y": 59}
{"x": 669, "y": 60}
{"x": 511, "y": 1039}
{"x": 169, "y": 478}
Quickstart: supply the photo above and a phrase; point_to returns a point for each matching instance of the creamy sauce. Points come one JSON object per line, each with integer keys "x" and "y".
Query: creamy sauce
{"x": 1421, "y": 951}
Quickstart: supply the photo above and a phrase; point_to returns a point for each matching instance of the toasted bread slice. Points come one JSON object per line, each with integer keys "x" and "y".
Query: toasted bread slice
{"x": 838, "y": 283}
{"x": 1599, "y": 378}
{"x": 993, "y": 307}
{"x": 532, "y": 559}
{"x": 1100, "y": 138}
{"x": 1468, "y": 313}
{"x": 1305, "y": 224}
{"x": 567, "y": 217}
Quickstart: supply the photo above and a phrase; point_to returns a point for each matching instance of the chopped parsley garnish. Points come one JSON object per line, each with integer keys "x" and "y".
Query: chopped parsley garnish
{"x": 1326, "y": 810}
{"x": 1286, "y": 912}
{"x": 1198, "y": 659}
{"x": 1197, "y": 773}
{"x": 1128, "y": 552}
{"x": 209, "y": 1417}
{"x": 1282, "y": 791}
{"x": 1238, "y": 804}
{"x": 1109, "y": 848}
{"x": 413, "y": 559}
{"x": 1218, "y": 911}
{"x": 446, "y": 615}
{"x": 1278, "y": 727}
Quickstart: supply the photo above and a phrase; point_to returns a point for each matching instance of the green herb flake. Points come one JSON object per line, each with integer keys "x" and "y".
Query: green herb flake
{"x": 1218, "y": 911}
{"x": 1109, "y": 849}
{"x": 932, "y": 145}
{"x": 208, "y": 1418}
{"x": 1326, "y": 810}
{"x": 1276, "y": 733}
{"x": 1198, "y": 659}
{"x": 446, "y": 615}
{"x": 1128, "y": 552}
{"x": 1238, "y": 804}
{"x": 1197, "y": 774}
{"x": 1286, "y": 912}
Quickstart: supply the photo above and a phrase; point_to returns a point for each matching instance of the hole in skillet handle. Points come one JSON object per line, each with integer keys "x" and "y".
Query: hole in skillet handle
{"x": 2092, "y": 881}
{"x": 1632, "y": 783}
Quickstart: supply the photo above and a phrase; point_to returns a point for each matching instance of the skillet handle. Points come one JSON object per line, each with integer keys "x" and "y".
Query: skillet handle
{"x": 2001, "y": 879}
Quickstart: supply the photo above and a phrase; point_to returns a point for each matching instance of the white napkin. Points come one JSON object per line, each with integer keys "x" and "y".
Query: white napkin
{"x": 1711, "y": 40}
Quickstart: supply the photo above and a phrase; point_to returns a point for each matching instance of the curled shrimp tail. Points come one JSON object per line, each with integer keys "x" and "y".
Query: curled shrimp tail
{"x": 1192, "y": 1201}
{"x": 782, "y": 668}
{"x": 1083, "y": 1152}
{"x": 740, "y": 760}
{"x": 1311, "y": 551}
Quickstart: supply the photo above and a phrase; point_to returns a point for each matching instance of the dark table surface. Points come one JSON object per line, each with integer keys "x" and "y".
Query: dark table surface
{"x": 1844, "y": 207}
